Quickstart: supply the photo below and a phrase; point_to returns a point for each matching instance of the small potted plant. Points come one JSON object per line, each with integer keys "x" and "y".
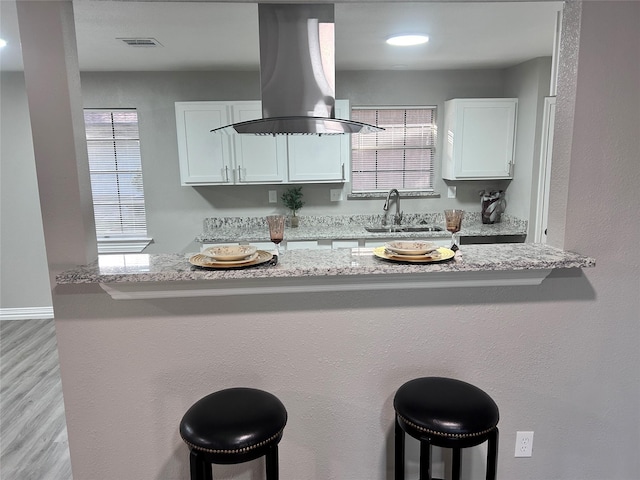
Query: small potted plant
{"x": 292, "y": 199}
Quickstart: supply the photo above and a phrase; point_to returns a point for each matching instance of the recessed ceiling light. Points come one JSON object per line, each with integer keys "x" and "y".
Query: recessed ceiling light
{"x": 407, "y": 40}
{"x": 3, "y": 43}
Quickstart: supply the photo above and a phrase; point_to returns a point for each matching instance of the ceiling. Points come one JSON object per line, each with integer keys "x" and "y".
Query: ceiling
{"x": 224, "y": 36}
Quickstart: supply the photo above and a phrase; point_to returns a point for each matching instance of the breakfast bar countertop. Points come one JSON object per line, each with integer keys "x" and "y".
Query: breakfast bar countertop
{"x": 323, "y": 270}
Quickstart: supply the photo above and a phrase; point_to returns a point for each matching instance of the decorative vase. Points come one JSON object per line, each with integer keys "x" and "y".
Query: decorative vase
{"x": 294, "y": 221}
{"x": 492, "y": 206}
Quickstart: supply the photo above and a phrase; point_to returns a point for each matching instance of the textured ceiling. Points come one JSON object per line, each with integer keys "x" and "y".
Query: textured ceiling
{"x": 210, "y": 36}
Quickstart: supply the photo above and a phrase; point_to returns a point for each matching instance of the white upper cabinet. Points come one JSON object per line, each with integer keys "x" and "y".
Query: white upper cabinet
{"x": 323, "y": 158}
{"x": 479, "y": 138}
{"x": 258, "y": 158}
{"x": 217, "y": 158}
{"x": 204, "y": 157}
{"x": 220, "y": 158}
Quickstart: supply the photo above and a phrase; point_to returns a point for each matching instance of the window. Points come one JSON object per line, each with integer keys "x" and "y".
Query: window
{"x": 113, "y": 145}
{"x": 400, "y": 157}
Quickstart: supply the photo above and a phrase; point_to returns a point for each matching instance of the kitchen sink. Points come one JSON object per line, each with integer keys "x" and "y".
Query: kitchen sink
{"x": 402, "y": 228}
{"x": 422, "y": 228}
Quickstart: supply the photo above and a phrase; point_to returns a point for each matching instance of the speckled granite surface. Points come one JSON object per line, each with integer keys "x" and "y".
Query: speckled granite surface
{"x": 345, "y": 227}
{"x": 309, "y": 263}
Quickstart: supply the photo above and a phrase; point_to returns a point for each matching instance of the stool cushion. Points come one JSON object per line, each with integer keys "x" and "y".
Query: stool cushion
{"x": 235, "y": 420}
{"x": 446, "y": 407}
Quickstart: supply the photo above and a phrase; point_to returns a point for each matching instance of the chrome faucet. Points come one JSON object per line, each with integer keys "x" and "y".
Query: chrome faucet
{"x": 397, "y": 219}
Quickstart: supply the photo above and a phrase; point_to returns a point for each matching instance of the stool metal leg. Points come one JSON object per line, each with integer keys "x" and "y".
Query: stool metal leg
{"x": 492, "y": 455}
{"x": 200, "y": 469}
{"x": 195, "y": 465}
{"x": 271, "y": 463}
{"x": 425, "y": 460}
{"x": 456, "y": 461}
{"x": 399, "y": 452}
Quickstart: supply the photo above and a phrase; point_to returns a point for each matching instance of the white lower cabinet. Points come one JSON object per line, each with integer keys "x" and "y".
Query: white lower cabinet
{"x": 269, "y": 246}
{"x": 259, "y": 245}
{"x": 327, "y": 244}
{"x": 300, "y": 244}
{"x": 220, "y": 158}
{"x": 380, "y": 242}
{"x": 345, "y": 243}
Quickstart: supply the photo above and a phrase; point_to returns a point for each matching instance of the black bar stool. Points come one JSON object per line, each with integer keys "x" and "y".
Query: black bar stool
{"x": 446, "y": 413}
{"x": 233, "y": 426}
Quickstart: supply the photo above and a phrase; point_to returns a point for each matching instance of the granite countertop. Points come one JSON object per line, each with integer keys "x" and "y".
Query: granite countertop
{"x": 346, "y": 227}
{"x": 114, "y": 269}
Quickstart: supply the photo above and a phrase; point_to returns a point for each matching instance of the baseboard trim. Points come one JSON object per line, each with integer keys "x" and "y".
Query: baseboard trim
{"x": 26, "y": 313}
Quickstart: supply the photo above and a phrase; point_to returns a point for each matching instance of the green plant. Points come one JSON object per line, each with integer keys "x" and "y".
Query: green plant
{"x": 292, "y": 199}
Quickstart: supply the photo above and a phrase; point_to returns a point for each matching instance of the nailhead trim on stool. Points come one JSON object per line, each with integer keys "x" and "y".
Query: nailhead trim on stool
{"x": 446, "y": 413}
{"x": 232, "y": 426}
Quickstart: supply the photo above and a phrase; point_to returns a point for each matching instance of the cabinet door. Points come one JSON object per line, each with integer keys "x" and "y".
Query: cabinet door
{"x": 301, "y": 244}
{"x": 481, "y": 133}
{"x": 345, "y": 244}
{"x": 258, "y": 158}
{"x": 381, "y": 242}
{"x": 322, "y": 158}
{"x": 204, "y": 157}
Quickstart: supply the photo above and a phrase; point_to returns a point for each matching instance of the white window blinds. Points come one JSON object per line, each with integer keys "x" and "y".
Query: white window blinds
{"x": 113, "y": 145}
{"x": 400, "y": 157}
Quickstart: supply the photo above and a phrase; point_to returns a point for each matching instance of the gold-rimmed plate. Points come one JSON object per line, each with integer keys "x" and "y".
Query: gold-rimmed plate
{"x": 230, "y": 253}
{"x": 439, "y": 255}
{"x": 410, "y": 247}
{"x": 258, "y": 258}
{"x": 237, "y": 261}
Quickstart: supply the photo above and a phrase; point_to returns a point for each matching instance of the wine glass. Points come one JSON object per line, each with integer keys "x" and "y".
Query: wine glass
{"x": 276, "y": 230}
{"x": 453, "y": 219}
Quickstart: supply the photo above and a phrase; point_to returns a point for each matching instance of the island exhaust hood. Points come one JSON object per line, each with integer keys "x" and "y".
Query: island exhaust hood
{"x": 297, "y": 74}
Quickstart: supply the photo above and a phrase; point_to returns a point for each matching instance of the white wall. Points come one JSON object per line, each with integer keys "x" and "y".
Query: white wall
{"x": 529, "y": 83}
{"x": 24, "y": 274}
{"x": 560, "y": 359}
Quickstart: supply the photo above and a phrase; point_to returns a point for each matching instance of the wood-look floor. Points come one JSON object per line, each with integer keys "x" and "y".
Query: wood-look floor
{"x": 33, "y": 432}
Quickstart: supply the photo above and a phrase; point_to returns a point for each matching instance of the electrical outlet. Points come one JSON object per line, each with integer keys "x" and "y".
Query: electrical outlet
{"x": 524, "y": 444}
{"x": 451, "y": 192}
{"x": 273, "y": 196}
{"x": 336, "y": 194}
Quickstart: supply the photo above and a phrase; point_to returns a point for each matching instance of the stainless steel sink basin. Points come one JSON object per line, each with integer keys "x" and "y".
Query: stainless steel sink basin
{"x": 402, "y": 228}
{"x": 422, "y": 228}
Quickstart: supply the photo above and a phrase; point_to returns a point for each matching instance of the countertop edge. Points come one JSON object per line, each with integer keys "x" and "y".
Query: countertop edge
{"x": 171, "y": 275}
{"x": 288, "y": 285}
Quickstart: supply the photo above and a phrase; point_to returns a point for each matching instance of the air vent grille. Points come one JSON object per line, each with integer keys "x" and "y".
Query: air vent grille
{"x": 141, "y": 42}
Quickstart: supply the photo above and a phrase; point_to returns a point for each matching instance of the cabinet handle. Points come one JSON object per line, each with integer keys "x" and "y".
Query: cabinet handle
{"x": 239, "y": 174}
{"x": 226, "y": 173}
{"x": 343, "y": 178}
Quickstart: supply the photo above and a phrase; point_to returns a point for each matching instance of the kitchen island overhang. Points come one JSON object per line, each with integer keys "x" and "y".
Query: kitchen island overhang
{"x": 147, "y": 276}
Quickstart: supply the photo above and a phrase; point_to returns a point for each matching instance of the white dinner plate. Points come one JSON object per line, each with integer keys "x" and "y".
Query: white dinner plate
{"x": 410, "y": 247}
{"x": 229, "y": 253}
{"x": 257, "y": 258}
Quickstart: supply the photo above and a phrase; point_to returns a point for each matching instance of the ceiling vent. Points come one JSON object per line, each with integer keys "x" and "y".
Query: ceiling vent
{"x": 141, "y": 42}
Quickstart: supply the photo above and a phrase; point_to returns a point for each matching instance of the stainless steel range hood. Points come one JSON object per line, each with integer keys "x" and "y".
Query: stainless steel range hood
{"x": 297, "y": 74}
